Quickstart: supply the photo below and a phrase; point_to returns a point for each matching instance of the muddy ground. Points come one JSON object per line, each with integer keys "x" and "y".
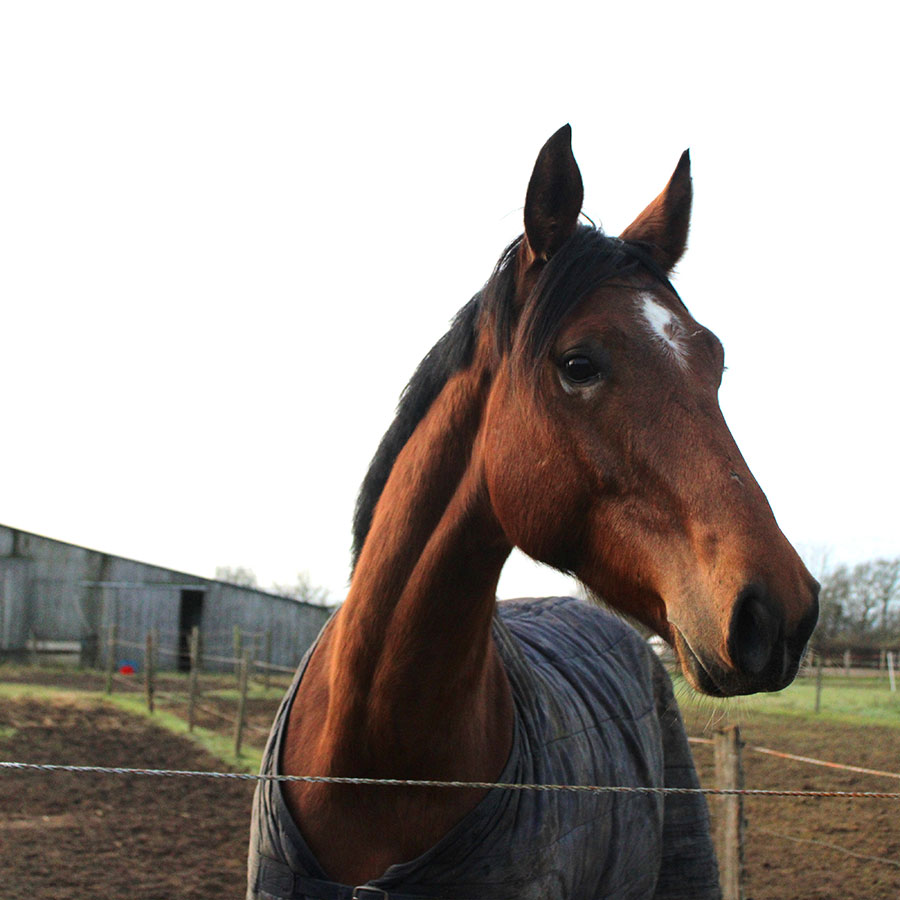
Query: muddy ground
{"x": 66, "y": 836}
{"x": 787, "y": 852}
{"x": 85, "y": 836}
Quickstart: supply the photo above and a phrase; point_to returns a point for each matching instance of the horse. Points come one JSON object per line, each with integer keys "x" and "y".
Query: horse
{"x": 571, "y": 410}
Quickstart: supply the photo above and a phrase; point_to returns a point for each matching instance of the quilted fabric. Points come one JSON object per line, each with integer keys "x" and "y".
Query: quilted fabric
{"x": 593, "y": 706}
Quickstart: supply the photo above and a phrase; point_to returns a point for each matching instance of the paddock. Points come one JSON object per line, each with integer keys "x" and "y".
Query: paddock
{"x": 160, "y": 837}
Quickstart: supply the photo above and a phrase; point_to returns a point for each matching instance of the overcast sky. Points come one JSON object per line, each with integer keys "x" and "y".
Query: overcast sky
{"x": 229, "y": 232}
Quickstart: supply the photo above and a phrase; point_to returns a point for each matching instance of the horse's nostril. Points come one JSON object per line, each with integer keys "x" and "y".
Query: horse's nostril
{"x": 754, "y": 633}
{"x": 805, "y": 628}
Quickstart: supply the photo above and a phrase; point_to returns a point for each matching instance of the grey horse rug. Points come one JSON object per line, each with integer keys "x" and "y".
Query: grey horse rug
{"x": 593, "y": 706}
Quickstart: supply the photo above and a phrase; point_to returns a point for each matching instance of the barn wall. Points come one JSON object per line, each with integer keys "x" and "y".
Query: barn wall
{"x": 16, "y": 593}
{"x": 61, "y": 592}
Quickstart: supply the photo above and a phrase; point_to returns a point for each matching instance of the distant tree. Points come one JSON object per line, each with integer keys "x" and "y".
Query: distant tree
{"x": 237, "y": 575}
{"x": 861, "y": 604}
{"x": 833, "y": 606}
{"x": 883, "y": 580}
{"x": 303, "y": 589}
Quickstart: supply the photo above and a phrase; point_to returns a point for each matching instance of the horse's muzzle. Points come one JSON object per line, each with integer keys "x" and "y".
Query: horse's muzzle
{"x": 764, "y": 652}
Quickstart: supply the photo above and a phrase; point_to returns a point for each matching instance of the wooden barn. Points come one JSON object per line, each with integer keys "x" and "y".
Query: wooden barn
{"x": 62, "y": 599}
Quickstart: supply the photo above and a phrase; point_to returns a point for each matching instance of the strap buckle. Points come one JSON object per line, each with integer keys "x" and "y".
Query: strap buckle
{"x": 369, "y": 892}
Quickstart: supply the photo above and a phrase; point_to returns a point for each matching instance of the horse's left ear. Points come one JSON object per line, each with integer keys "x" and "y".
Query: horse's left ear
{"x": 663, "y": 225}
{"x": 554, "y": 197}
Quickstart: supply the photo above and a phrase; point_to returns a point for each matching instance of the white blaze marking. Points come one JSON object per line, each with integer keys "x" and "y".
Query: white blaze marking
{"x": 664, "y": 326}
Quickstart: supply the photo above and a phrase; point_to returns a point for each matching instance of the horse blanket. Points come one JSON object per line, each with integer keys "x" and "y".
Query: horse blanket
{"x": 593, "y": 705}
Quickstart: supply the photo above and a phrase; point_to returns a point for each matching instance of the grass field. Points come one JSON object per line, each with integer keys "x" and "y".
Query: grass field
{"x": 850, "y": 700}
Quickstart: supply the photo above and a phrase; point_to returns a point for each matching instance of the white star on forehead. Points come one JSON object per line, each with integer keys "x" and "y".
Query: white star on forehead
{"x": 664, "y": 326}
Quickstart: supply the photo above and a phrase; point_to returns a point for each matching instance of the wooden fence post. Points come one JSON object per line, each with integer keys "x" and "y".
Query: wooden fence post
{"x": 730, "y": 817}
{"x": 192, "y": 678}
{"x": 819, "y": 665}
{"x": 242, "y": 702}
{"x": 111, "y": 642}
{"x": 268, "y": 659}
{"x": 846, "y": 662}
{"x": 237, "y": 651}
{"x": 148, "y": 670}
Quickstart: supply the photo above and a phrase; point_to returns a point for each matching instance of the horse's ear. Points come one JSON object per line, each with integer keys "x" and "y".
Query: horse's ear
{"x": 554, "y": 197}
{"x": 663, "y": 225}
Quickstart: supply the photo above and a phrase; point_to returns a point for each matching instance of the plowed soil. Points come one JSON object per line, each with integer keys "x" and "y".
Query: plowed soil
{"x": 84, "y": 836}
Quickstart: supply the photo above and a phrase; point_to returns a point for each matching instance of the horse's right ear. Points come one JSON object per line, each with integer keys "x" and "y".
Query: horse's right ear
{"x": 664, "y": 224}
{"x": 553, "y": 201}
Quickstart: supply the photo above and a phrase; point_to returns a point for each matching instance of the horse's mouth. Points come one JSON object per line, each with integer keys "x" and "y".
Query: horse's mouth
{"x": 710, "y": 680}
{"x": 693, "y": 670}
{"x": 717, "y": 681}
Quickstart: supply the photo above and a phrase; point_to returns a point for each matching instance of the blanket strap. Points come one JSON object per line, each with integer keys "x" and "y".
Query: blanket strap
{"x": 279, "y": 881}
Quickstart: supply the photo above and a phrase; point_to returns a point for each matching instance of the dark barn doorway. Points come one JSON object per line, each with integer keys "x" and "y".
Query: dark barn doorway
{"x": 190, "y": 616}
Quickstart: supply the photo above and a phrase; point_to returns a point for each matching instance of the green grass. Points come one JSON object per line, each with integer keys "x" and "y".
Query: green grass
{"x": 850, "y": 701}
{"x": 219, "y": 746}
{"x": 40, "y": 691}
{"x": 254, "y": 692}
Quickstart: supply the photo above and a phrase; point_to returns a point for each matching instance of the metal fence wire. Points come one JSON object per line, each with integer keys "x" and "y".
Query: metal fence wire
{"x": 425, "y": 783}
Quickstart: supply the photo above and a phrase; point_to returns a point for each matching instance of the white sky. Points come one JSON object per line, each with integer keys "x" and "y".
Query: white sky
{"x": 229, "y": 232}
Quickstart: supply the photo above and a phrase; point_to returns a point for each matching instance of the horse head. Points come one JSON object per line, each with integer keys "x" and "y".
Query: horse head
{"x": 604, "y": 449}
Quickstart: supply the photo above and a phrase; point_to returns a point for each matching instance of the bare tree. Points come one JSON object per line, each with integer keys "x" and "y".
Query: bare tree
{"x": 304, "y": 590}
{"x": 862, "y": 603}
{"x": 882, "y": 579}
{"x": 237, "y": 575}
{"x": 834, "y": 604}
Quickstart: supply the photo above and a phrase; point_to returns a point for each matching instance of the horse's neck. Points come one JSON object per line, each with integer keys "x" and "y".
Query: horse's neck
{"x": 406, "y": 682}
{"x": 407, "y": 672}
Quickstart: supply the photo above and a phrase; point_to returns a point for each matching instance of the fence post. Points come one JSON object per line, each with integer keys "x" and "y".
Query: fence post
{"x": 111, "y": 641}
{"x": 820, "y": 663}
{"x": 268, "y": 659}
{"x": 890, "y": 666}
{"x": 730, "y": 818}
{"x": 149, "y": 666}
{"x": 192, "y": 678}
{"x": 237, "y": 651}
{"x": 242, "y": 702}
{"x": 155, "y": 633}
{"x": 846, "y": 662}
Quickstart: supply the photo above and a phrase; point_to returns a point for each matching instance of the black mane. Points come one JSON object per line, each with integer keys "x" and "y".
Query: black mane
{"x": 587, "y": 259}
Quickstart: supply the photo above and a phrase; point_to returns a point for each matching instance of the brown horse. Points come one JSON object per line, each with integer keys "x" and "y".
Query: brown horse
{"x": 571, "y": 411}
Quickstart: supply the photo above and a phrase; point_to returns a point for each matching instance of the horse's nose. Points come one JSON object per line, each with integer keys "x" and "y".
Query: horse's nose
{"x": 756, "y": 637}
{"x": 762, "y": 650}
{"x": 803, "y": 632}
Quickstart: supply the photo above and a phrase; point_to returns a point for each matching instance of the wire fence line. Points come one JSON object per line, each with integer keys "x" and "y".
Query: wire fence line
{"x": 481, "y": 785}
{"x": 726, "y": 793}
{"x": 806, "y": 759}
{"x": 246, "y": 664}
{"x": 427, "y": 783}
{"x": 829, "y": 845}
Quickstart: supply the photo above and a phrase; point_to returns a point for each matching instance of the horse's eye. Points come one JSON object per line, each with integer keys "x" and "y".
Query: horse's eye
{"x": 579, "y": 369}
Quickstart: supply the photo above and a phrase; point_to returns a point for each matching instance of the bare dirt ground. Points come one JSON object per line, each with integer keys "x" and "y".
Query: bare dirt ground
{"x": 66, "y": 836}
{"x": 787, "y": 852}
{"x": 84, "y": 836}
